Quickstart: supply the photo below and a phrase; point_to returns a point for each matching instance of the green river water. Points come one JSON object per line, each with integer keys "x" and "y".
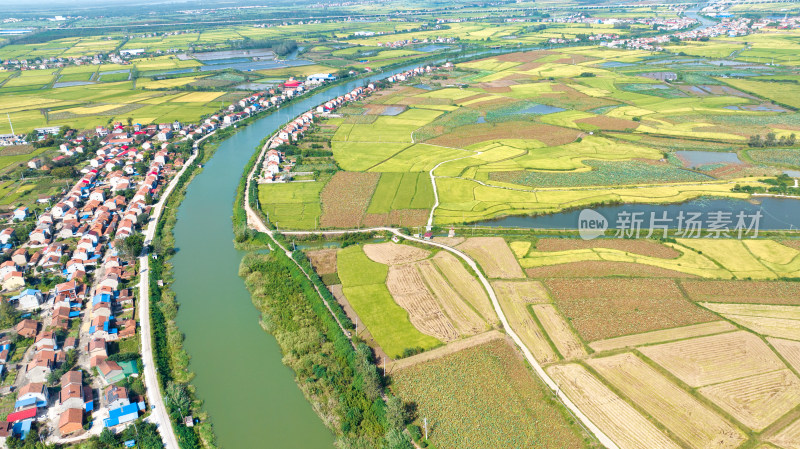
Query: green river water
{"x": 250, "y": 395}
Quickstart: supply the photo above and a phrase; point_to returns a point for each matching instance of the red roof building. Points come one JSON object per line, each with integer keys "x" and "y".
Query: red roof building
{"x": 22, "y": 414}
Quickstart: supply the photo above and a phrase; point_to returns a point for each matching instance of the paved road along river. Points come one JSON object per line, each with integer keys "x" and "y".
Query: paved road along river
{"x": 250, "y": 395}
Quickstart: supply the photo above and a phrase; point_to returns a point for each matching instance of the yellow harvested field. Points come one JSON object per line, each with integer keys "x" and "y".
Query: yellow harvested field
{"x": 772, "y": 327}
{"x": 757, "y": 401}
{"x": 788, "y": 349}
{"x": 559, "y": 331}
{"x": 461, "y": 315}
{"x": 466, "y": 285}
{"x": 615, "y": 417}
{"x": 685, "y": 416}
{"x": 521, "y": 291}
{"x": 788, "y": 438}
{"x": 199, "y": 97}
{"x": 716, "y": 358}
{"x": 323, "y": 260}
{"x": 92, "y": 110}
{"x": 759, "y": 310}
{"x": 494, "y": 257}
{"x": 392, "y": 254}
{"x": 409, "y": 291}
{"x": 521, "y": 320}
{"x": 661, "y": 336}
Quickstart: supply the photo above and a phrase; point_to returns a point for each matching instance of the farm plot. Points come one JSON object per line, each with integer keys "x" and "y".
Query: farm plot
{"x": 364, "y": 285}
{"x": 494, "y": 257}
{"x": 599, "y": 309}
{"x": 788, "y": 438}
{"x": 389, "y": 253}
{"x": 485, "y": 397}
{"x": 409, "y": 291}
{"x": 401, "y": 191}
{"x": 716, "y": 358}
{"x": 639, "y": 246}
{"x": 751, "y": 292}
{"x": 559, "y": 331}
{"x": 685, "y": 416}
{"x": 466, "y": 285}
{"x": 345, "y": 199}
{"x": 757, "y": 401}
{"x": 597, "y": 269}
{"x": 323, "y": 261}
{"x": 615, "y": 417}
{"x": 520, "y": 317}
{"x": 733, "y": 255}
{"x": 662, "y": 336}
{"x": 466, "y": 320}
{"x": 773, "y": 327}
{"x": 293, "y": 205}
{"x": 788, "y": 349}
{"x": 532, "y": 292}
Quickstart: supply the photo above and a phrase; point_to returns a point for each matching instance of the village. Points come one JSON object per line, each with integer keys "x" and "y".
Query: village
{"x": 71, "y": 363}
{"x": 275, "y": 166}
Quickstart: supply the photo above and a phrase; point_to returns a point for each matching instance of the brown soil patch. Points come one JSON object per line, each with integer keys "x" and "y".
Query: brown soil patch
{"x": 574, "y": 59}
{"x": 323, "y": 260}
{"x": 473, "y": 97}
{"x": 606, "y": 308}
{"x": 408, "y": 290}
{"x": 528, "y": 66}
{"x": 378, "y": 109}
{"x": 752, "y": 292}
{"x": 345, "y": 199}
{"x": 497, "y": 90}
{"x": 525, "y": 56}
{"x": 393, "y": 254}
{"x": 449, "y": 241}
{"x": 505, "y": 82}
{"x": 488, "y": 104}
{"x": 790, "y": 243}
{"x": 463, "y": 136}
{"x": 398, "y": 217}
{"x": 643, "y": 247}
{"x": 609, "y": 123}
{"x": 423, "y": 100}
{"x": 593, "y": 268}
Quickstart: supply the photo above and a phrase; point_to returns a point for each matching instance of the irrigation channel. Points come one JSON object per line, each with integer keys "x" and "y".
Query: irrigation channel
{"x": 250, "y": 395}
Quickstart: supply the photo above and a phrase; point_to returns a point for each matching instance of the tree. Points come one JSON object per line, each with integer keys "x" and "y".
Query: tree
{"x": 108, "y": 438}
{"x": 64, "y": 172}
{"x": 770, "y": 140}
{"x": 130, "y": 121}
{"x": 130, "y": 247}
{"x": 178, "y": 397}
{"x": 9, "y": 316}
{"x": 396, "y": 414}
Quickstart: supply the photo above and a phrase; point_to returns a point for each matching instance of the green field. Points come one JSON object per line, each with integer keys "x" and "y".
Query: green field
{"x": 364, "y": 283}
{"x": 293, "y": 205}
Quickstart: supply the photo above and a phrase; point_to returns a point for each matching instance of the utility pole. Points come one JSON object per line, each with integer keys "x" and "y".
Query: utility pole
{"x": 9, "y": 123}
{"x": 425, "y": 420}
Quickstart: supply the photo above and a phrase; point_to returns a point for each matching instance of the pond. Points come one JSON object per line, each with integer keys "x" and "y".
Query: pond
{"x": 72, "y": 83}
{"x": 255, "y": 65}
{"x": 392, "y": 110}
{"x": 696, "y": 159}
{"x": 792, "y": 173}
{"x": 777, "y": 213}
{"x": 432, "y": 48}
{"x": 760, "y": 107}
{"x": 612, "y": 64}
{"x": 541, "y": 109}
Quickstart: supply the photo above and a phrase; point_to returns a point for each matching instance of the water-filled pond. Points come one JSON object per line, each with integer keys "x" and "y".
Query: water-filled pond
{"x": 700, "y": 158}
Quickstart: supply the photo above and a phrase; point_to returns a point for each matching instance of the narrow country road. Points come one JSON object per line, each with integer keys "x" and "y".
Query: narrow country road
{"x": 159, "y": 414}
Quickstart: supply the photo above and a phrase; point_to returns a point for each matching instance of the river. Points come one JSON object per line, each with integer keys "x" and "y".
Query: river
{"x": 250, "y": 395}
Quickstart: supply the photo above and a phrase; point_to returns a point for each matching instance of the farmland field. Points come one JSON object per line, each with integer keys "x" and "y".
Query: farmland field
{"x": 621, "y": 422}
{"x": 364, "y": 283}
{"x": 688, "y": 418}
{"x": 479, "y": 396}
{"x": 606, "y": 308}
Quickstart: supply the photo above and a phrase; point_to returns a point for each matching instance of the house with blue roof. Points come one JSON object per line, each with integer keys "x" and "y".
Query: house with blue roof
{"x": 122, "y": 415}
{"x": 28, "y": 299}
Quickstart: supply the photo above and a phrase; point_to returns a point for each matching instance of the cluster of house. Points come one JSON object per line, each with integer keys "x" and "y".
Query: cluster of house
{"x": 406, "y": 42}
{"x": 786, "y": 23}
{"x": 76, "y": 239}
{"x": 274, "y": 169}
{"x": 726, "y": 27}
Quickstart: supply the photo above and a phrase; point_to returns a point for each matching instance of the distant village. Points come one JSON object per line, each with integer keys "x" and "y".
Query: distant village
{"x": 275, "y": 167}
{"x": 71, "y": 278}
